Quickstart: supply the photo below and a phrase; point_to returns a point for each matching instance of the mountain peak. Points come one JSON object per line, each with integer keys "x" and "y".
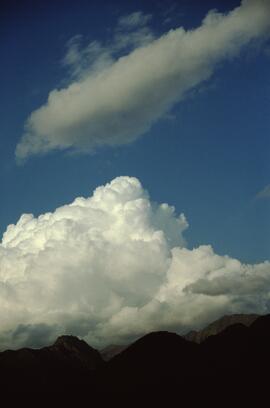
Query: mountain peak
{"x": 77, "y": 350}
{"x": 68, "y": 340}
{"x": 73, "y": 345}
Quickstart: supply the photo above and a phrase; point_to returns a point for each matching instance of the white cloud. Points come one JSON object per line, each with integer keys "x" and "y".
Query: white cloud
{"x": 118, "y": 101}
{"x": 113, "y": 266}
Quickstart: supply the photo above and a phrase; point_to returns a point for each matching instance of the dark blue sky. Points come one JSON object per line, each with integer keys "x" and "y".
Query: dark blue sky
{"x": 209, "y": 159}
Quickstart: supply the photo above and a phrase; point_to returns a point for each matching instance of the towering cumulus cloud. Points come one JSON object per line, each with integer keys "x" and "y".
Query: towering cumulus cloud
{"x": 117, "y": 99}
{"x": 113, "y": 266}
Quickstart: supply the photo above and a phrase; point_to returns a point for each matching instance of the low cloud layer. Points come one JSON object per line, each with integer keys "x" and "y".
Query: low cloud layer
{"x": 113, "y": 99}
{"x": 113, "y": 266}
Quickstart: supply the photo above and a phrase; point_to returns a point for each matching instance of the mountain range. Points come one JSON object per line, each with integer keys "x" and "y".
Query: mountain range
{"x": 199, "y": 336}
{"x": 219, "y": 325}
{"x": 229, "y": 365}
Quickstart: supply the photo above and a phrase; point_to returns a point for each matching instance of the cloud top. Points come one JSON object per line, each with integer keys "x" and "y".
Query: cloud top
{"x": 115, "y": 98}
{"x": 113, "y": 266}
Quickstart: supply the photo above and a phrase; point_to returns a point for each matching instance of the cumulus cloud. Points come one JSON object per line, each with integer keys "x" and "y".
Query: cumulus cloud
{"x": 119, "y": 100}
{"x": 113, "y": 266}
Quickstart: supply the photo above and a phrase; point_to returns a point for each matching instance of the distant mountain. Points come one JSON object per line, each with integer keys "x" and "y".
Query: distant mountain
{"x": 219, "y": 325}
{"x": 107, "y": 353}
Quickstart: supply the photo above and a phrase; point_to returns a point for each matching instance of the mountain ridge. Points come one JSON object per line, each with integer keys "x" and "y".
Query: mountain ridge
{"x": 158, "y": 364}
{"x": 219, "y": 325}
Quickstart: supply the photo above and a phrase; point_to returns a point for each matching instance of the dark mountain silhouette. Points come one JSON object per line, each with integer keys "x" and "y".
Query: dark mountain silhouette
{"x": 228, "y": 368}
{"x": 68, "y": 362}
{"x": 213, "y": 328}
{"x": 154, "y": 358}
{"x": 219, "y": 325}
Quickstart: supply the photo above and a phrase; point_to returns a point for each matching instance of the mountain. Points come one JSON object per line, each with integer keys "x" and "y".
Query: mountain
{"x": 219, "y": 325}
{"x": 226, "y": 369}
{"x": 107, "y": 353}
{"x": 77, "y": 352}
{"x": 68, "y": 362}
{"x": 156, "y": 358}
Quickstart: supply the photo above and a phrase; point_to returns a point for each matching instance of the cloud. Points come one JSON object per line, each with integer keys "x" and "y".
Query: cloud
{"x": 81, "y": 60}
{"x": 113, "y": 266}
{"x": 264, "y": 193}
{"x": 133, "y": 20}
{"x": 84, "y": 59}
{"x": 37, "y": 335}
{"x": 127, "y": 91}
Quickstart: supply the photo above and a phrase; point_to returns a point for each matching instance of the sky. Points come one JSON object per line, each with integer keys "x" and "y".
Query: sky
{"x": 108, "y": 110}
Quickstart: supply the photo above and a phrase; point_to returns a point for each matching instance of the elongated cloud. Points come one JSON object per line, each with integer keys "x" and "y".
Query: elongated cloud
{"x": 113, "y": 266}
{"x": 118, "y": 101}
